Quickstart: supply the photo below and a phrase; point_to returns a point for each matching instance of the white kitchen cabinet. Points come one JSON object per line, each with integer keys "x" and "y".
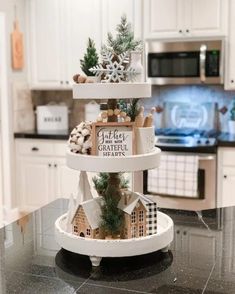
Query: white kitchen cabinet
{"x": 42, "y": 175}
{"x": 230, "y": 52}
{"x": 226, "y": 177}
{"x": 58, "y": 35}
{"x": 35, "y": 177}
{"x": 185, "y": 18}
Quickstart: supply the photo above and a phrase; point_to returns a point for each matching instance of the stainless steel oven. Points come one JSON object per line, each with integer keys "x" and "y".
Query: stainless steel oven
{"x": 206, "y": 197}
{"x": 185, "y": 62}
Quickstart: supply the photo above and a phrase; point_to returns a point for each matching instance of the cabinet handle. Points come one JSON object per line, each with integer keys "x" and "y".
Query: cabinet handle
{"x": 185, "y": 233}
{"x": 177, "y": 232}
{"x": 187, "y": 31}
{"x": 232, "y": 81}
{"x": 34, "y": 149}
{"x": 55, "y": 165}
{"x": 49, "y": 164}
{"x": 225, "y": 176}
{"x": 180, "y": 31}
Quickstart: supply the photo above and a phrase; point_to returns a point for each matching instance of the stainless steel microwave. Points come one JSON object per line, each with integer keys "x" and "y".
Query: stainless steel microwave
{"x": 184, "y": 62}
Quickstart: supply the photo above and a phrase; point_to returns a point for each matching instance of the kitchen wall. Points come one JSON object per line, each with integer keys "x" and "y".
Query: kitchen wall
{"x": 192, "y": 94}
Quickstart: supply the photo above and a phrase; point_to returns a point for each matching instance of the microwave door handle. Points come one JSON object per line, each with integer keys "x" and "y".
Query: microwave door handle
{"x": 203, "y": 49}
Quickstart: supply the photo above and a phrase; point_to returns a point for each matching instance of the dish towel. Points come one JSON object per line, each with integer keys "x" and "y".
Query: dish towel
{"x": 177, "y": 175}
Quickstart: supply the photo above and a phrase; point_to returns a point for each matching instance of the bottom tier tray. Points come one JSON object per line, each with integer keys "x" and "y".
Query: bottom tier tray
{"x": 97, "y": 248}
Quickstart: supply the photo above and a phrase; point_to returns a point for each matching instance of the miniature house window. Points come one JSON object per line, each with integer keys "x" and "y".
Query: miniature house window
{"x": 133, "y": 232}
{"x": 88, "y": 232}
{"x": 75, "y": 229}
{"x": 133, "y": 217}
{"x": 126, "y": 232}
{"x": 141, "y": 231}
{"x": 141, "y": 216}
{"x": 97, "y": 231}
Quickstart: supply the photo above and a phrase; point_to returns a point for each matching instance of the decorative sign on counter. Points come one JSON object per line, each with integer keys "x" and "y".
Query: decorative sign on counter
{"x": 113, "y": 139}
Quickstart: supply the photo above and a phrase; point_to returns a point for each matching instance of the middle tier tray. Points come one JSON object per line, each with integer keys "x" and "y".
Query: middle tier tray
{"x": 111, "y": 90}
{"x": 132, "y": 163}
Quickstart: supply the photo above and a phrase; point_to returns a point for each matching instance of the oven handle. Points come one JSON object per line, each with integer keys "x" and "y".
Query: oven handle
{"x": 203, "y": 49}
{"x": 208, "y": 158}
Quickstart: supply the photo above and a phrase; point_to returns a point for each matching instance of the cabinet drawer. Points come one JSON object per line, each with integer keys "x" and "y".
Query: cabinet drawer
{"x": 229, "y": 157}
{"x": 34, "y": 147}
{"x": 60, "y": 148}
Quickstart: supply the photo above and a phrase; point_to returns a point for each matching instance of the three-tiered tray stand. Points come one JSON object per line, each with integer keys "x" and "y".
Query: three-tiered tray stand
{"x": 98, "y": 248}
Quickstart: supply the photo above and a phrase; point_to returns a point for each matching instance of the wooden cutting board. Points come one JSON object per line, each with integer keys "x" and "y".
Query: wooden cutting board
{"x": 17, "y": 47}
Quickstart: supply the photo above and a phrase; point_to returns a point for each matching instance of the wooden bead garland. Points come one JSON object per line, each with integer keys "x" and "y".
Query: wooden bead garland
{"x": 122, "y": 116}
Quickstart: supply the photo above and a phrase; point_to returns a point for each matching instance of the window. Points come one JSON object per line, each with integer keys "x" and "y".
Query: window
{"x": 133, "y": 217}
{"x": 88, "y": 232}
{"x": 133, "y": 232}
{"x": 97, "y": 231}
{"x": 141, "y": 216}
{"x": 75, "y": 229}
{"x": 141, "y": 231}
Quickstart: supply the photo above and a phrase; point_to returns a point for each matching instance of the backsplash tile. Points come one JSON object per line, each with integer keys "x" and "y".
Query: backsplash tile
{"x": 191, "y": 94}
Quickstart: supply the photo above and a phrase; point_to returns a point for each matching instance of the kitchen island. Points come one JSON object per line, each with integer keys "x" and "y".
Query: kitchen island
{"x": 201, "y": 259}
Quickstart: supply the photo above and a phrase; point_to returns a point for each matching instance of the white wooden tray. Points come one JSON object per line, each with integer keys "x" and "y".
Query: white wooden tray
{"x": 111, "y": 90}
{"x": 96, "y": 249}
{"x": 132, "y": 163}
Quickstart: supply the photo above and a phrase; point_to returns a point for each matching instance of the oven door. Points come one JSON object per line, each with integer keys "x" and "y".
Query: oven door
{"x": 206, "y": 179}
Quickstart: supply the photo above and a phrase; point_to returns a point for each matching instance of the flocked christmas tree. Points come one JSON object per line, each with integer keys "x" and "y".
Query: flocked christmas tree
{"x": 124, "y": 40}
{"x": 90, "y": 58}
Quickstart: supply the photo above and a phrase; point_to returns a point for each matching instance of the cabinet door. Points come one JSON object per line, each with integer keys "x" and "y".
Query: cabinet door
{"x": 196, "y": 241}
{"x": 230, "y": 54}
{"x": 228, "y": 184}
{"x": 35, "y": 177}
{"x": 65, "y": 180}
{"x": 112, "y": 12}
{"x": 206, "y": 18}
{"x": 81, "y": 21}
{"x": 45, "y": 42}
{"x": 164, "y": 18}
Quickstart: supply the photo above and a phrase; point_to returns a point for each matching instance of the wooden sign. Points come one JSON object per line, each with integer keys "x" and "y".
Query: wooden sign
{"x": 113, "y": 139}
{"x": 17, "y": 48}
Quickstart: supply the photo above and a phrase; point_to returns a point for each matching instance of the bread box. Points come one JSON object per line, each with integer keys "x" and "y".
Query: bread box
{"x": 52, "y": 118}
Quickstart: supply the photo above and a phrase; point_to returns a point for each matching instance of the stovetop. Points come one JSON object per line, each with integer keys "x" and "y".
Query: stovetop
{"x": 185, "y": 137}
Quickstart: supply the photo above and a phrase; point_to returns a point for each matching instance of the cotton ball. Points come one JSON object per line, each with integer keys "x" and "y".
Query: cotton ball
{"x": 87, "y": 144}
{"x": 80, "y": 141}
{"x": 85, "y": 132}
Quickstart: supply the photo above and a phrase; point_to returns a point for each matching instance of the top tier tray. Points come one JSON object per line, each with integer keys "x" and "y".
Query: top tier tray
{"x": 111, "y": 90}
{"x": 132, "y": 163}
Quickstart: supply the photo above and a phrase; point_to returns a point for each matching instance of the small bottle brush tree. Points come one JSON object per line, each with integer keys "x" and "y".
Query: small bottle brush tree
{"x": 111, "y": 216}
{"x": 131, "y": 108}
{"x": 90, "y": 58}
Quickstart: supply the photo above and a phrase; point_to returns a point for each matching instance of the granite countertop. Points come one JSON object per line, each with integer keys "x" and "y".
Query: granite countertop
{"x": 200, "y": 260}
{"x": 54, "y": 135}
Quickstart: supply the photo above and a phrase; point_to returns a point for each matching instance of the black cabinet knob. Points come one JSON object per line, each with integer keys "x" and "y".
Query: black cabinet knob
{"x": 55, "y": 165}
{"x": 232, "y": 81}
{"x": 180, "y": 31}
{"x": 61, "y": 82}
{"x": 185, "y": 233}
{"x": 225, "y": 176}
{"x": 187, "y": 31}
{"x": 34, "y": 149}
{"x": 67, "y": 82}
{"x": 177, "y": 232}
{"x": 49, "y": 164}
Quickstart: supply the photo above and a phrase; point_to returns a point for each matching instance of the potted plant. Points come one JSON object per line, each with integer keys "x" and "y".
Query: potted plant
{"x": 231, "y": 122}
{"x": 90, "y": 58}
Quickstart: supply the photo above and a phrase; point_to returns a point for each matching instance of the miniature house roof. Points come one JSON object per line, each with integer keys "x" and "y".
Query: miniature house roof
{"x": 132, "y": 199}
{"x": 92, "y": 210}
